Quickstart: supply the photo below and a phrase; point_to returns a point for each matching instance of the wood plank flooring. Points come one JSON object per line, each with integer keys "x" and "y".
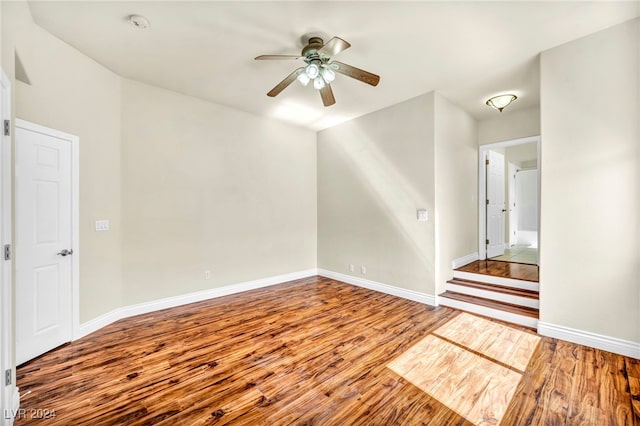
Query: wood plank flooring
{"x": 316, "y": 352}
{"x": 498, "y": 268}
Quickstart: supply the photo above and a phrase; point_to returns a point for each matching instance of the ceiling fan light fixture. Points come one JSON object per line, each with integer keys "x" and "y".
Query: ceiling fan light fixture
{"x": 328, "y": 75}
{"x": 320, "y": 67}
{"x": 500, "y": 102}
{"x": 303, "y": 78}
{"x": 312, "y": 71}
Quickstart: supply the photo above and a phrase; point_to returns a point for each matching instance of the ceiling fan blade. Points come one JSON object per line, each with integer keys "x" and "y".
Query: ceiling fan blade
{"x": 277, "y": 57}
{"x": 284, "y": 83}
{"x": 327, "y": 95}
{"x": 356, "y": 73}
{"x": 334, "y": 46}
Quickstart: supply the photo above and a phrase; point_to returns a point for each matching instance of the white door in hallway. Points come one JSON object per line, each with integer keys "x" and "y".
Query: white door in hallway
{"x": 43, "y": 241}
{"x": 495, "y": 204}
{"x": 512, "y": 208}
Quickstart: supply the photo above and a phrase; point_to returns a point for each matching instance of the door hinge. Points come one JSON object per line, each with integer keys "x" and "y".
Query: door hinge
{"x": 486, "y": 161}
{"x": 7, "y": 252}
{"x": 7, "y": 127}
{"x": 486, "y": 242}
{"x": 487, "y": 202}
{"x": 7, "y": 377}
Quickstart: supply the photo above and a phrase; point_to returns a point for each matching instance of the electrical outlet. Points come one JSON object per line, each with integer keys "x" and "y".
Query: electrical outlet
{"x": 352, "y": 268}
{"x": 363, "y": 270}
{"x": 102, "y": 225}
{"x": 423, "y": 215}
{"x": 207, "y": 275}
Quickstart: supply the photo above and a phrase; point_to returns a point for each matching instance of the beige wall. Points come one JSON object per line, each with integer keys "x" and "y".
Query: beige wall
{"x": 206, "y": 187}
{"x": 522, "y": 155}
{"x": 590, "y": 267}
{"x": 187, "y": 185}
{"x": 74, "y": 94}
{"x": 374, "y": 172}
{"x": 509, "y": 125}
{"x": 456, "y": 186}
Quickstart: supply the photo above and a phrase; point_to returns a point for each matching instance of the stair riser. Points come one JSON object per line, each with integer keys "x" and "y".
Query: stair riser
{"x": 501, "y": 297}
{"x": 489, "y": 312}
{"x": 510, "y": 282}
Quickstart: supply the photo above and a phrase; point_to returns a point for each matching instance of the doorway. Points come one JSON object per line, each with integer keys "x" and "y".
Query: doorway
{"x": 46, "y": 228}
{"x": 509, "y": 208}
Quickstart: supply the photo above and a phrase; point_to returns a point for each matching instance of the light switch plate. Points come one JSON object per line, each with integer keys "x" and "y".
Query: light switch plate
{"x": 423, "y": 215}
{"x": 102, "y": 225}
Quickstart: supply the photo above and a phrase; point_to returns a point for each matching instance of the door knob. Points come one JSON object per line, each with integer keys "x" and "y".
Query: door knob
{"x": 65, "y": 252}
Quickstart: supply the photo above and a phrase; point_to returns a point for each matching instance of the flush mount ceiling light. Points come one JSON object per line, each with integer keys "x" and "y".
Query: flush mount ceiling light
{"x": 500, "y": 102}
{"x": 138, "y": 21}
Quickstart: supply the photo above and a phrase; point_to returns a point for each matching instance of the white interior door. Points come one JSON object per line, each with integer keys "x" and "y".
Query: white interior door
{"x": 512, "y": 205}
{"x": 527, "y": 200}
{"x": 495, "y": 204}
{"x": 43, "y": 233}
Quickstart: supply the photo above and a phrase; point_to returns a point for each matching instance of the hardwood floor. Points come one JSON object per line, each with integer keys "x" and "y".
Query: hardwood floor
{"x": 498, "y": 268}
{"x": 318, "y": 351}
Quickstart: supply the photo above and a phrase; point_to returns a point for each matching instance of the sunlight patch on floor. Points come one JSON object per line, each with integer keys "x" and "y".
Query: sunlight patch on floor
{"x": 471, "y": 365}
{"x": 494, "y": 340}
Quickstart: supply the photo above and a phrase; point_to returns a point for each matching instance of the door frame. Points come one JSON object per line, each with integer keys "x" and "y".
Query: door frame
{"x": 482, "y": 189}
{"x": 9, "y": 397}
{"x": 75, "y": 214}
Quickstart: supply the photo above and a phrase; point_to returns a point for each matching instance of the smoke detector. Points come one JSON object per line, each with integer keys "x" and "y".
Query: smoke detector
{"x": 139, "y": 21}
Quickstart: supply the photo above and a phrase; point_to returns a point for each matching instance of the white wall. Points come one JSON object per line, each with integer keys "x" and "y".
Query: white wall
{"x": 456, "y": 186}
{"x": 374, "y": 172}
{"x": 74, "y": 94}
{"x": 509, "y": 125}
{"x": 206, "y": 187}
{"x": 527, "y": 199}
{"x": 522, "y": 155}
{"x": 590, "y": 229}
{"x": 187, "y": 185}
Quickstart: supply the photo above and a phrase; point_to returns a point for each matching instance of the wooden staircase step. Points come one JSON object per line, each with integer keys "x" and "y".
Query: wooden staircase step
{"x": 493, "y": 304}
{"x": 497, "y": 280}
{"x": 497, "y": 268}
{"x": 503, "y": 289}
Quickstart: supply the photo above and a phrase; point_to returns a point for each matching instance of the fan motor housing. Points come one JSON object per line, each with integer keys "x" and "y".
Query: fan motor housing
{"x": 315, "y": 44}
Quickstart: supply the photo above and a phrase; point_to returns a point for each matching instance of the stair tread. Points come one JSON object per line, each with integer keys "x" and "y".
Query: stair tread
{"x": 502, "y": 269}
{"x": 494, "y": 304}
{"x": 531, "y": 294}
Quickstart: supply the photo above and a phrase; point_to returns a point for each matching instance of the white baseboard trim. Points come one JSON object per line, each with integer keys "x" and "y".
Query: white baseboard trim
{"x": 599, "y": 341}
{"x": 416, "y": 296}
{"x": 170, "y": 302}
{"x": 464, "y": 260}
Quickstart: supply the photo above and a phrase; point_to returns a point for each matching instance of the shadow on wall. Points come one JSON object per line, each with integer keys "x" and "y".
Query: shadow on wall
{"x": 393, "y": 192}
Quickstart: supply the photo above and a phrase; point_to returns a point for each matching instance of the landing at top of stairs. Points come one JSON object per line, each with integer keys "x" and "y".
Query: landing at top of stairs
{"x": 497, "y": 268}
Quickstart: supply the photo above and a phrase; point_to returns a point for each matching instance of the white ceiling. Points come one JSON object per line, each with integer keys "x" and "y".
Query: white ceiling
{"x": 466, "y": 50}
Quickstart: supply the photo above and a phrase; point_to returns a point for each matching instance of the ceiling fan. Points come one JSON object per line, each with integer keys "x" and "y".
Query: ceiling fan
{"x": 320, "y": 68}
